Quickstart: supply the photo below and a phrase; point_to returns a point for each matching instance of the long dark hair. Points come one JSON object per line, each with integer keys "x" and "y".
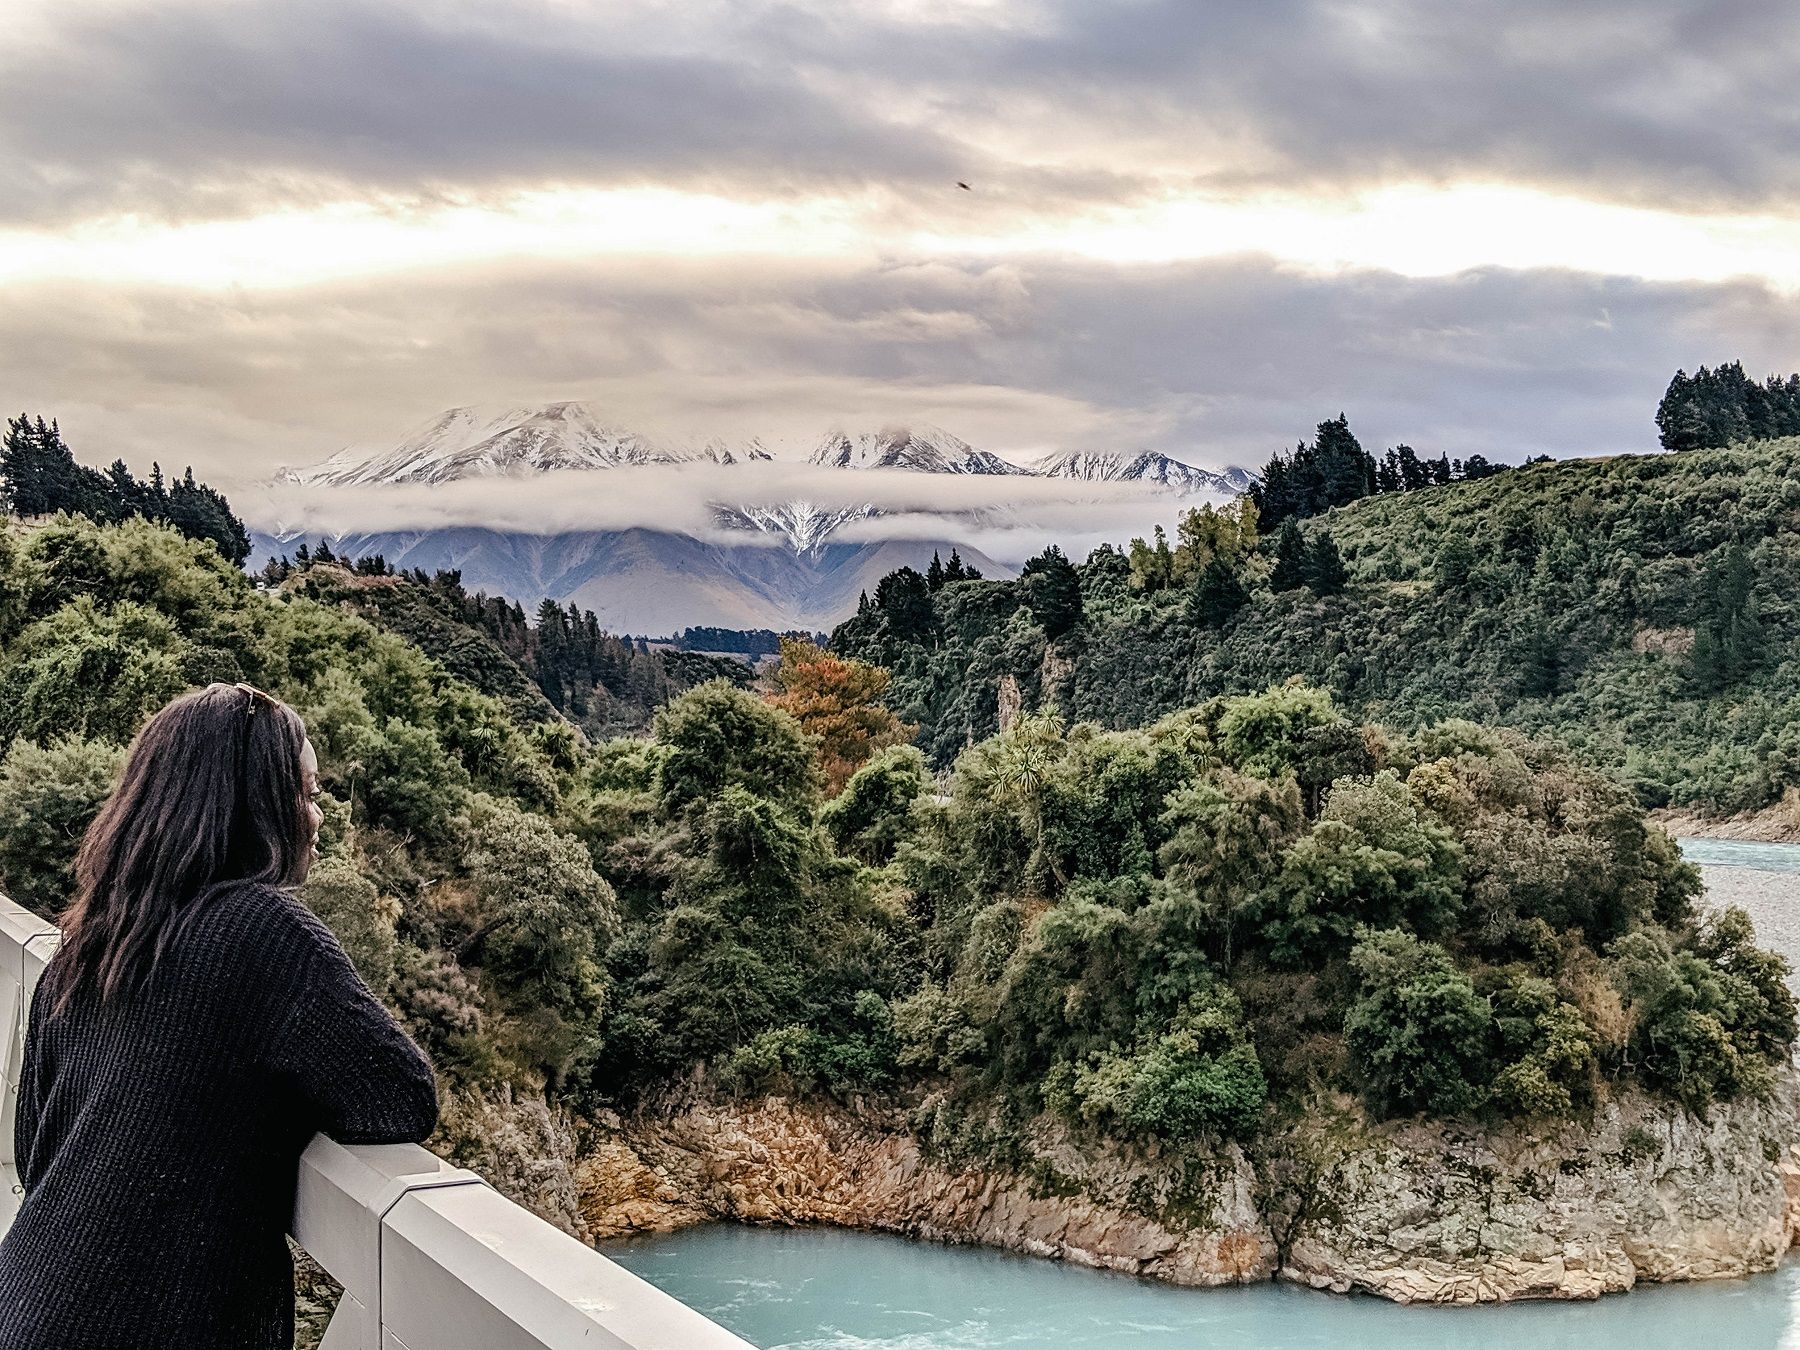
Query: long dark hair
{"x": 212, "y": 793}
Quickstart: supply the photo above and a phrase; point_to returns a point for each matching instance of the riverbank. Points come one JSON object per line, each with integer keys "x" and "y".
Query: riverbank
{"x": 1778, "y": 823}
{"x": 1412, "y": 1213}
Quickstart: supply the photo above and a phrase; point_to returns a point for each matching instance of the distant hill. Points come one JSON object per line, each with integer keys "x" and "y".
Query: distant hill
{"x": 559, "y": 663}
{"x": 1645, "y": 609}
{"x": 649, "y": 581}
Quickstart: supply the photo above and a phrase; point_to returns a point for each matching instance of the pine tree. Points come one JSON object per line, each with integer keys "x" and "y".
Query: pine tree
{"x": 934, "y": 575}
{"x": 1052, "y": 591}
{"x": 904, "y": 598}
{"x": 1217, "y": 595}
{"x": 1293, "y": 561}
{"x": 1326, "y": 573}
{"x": 1729, "y": 638}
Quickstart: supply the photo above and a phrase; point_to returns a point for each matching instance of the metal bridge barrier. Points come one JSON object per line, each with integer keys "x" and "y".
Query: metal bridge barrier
{"x": 430, "y": 1256}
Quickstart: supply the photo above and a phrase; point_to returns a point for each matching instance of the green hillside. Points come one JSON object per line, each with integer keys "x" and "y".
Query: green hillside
{"x": 1641, "y": 608}
{"x": 1163, "y": 936}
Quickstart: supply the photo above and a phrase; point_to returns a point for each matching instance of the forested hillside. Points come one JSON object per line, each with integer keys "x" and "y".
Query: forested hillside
{"x": 1644, "y": 609}
{"x": 1172, "y": 934}
{"x": 561, "y": 662}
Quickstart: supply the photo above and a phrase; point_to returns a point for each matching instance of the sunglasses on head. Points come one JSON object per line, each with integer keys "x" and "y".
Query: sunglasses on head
{"x": 252, "y": 695}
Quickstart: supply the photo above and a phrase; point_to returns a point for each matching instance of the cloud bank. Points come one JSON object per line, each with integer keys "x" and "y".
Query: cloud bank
{"x": 1008, "y": 518}
{"x": 814, "y": 260}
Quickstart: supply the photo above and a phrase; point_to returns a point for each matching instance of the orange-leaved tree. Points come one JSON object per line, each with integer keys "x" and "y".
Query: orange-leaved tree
{"x": 837, "y": 701}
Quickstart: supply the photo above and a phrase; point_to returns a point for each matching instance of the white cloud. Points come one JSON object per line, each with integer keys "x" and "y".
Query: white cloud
{"x": 1008, "y": 517}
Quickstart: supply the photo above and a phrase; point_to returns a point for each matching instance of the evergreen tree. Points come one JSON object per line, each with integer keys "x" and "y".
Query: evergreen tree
{"x": 1729, "y": 637}
{"x": 1293, "y": 561}
{"x": 904, "y": 598}
{"x": 934, "y": 575}
{"x": 1053, "y": 592}
{"x": 41, "y": 476}
{"x": 1346, "y": 470}
{"x": 1333, "y": 471}
{"x": 1217, "y": 596}
{"x": 1326, "y": 573}
{"x": 1723, "y": 406}
{"x": 1538, "y": 657}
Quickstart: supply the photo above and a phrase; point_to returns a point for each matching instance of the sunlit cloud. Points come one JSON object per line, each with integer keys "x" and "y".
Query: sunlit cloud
{"x": 1411, "y": 230}
{"x": 1420, "y": 231}
{"x": 247, "y": 232}
{"x": 354, "y": 239}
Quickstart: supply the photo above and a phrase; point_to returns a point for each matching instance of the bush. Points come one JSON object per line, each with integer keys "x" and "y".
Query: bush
{"x": 1198, "y": 1077}
{"x": 363, "y": 918}
{"x": 48, "y": 797}
{"x": 1708, "y": 1023}
{"x": 869, "y": 817}
{"x": 1418, "y": 1032}
{"x": 91, "y": 671}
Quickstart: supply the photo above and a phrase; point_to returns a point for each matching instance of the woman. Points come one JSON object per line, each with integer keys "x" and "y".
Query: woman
{"x": 195, "y": 1028}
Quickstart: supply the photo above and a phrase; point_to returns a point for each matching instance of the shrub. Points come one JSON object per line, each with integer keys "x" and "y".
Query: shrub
{"x": 48, "y": 797}
{"x": 1418, "y": 1032}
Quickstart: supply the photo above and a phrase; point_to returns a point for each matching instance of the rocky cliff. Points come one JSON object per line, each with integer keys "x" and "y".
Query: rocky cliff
{"x": 1643, "y": 1192}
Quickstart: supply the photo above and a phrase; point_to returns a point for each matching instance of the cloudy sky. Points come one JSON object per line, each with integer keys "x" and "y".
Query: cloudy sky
{"x": 251, "y": 232}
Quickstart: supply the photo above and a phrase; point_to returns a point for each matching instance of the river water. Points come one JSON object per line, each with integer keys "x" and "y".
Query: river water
{"x": 830, "y": 1289}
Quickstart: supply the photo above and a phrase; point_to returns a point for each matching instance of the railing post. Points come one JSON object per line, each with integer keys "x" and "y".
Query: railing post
{"x": 341, "y": 1201}
{"x": 26, "y": 943}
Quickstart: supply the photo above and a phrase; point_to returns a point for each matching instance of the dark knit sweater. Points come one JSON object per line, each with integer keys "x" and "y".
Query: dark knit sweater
{"x": 159, "y": 1134}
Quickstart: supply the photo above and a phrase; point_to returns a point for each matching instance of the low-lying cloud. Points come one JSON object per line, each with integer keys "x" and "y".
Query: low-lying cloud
{"x": 1007, "y": 517}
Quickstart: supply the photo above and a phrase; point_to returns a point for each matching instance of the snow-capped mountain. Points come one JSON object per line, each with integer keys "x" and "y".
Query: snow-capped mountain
{"x": 922, "y": 449}
{"x": 805, "y": 525}
{"x": 1106, "y": 466}
{"x": 479, "y": 443}
{"x": 646, "y": 580}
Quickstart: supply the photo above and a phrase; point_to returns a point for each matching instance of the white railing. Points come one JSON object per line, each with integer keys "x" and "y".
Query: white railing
{"x": 430, "y": 1256}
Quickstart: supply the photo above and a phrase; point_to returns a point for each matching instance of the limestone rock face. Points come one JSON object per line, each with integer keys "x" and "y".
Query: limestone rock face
{"x": 1412, "y": 1212}
{"x": 526, "y": 1150}
{"x": 1646, "y": 1192}
{"x": 775, "y": 1162}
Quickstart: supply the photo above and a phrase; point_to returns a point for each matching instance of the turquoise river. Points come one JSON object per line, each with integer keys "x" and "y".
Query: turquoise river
{"x": 824, "y": 1289}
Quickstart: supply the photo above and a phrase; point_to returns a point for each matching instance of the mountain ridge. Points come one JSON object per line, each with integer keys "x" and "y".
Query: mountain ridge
{"x": 472, "y": 442}
{"x": 794, "y": 569}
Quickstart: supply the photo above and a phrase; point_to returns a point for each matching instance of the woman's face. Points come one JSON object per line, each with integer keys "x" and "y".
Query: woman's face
{"x": 309, "y": 784}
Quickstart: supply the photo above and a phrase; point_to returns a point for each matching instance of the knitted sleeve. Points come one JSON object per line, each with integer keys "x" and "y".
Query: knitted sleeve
{"x": 350, "y": 1060}
{"x": 30, "y": 1103}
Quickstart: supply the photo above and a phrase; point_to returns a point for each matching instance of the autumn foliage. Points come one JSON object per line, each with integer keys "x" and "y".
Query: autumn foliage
{"x": 838, "y": 703}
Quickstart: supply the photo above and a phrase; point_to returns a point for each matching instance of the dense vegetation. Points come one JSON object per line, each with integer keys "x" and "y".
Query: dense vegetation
{"x": 1643, "y": 609}
{"x": 1158, "y": 934}
{"x": 564, "y": 663}
{"x": 39, "y": 475}
{"x": 747, "y": 642}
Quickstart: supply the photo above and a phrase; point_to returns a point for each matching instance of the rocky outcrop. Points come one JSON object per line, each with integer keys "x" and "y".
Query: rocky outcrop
{"x": 1645, "y": 1192}
{"x": 526, "y": 1150}
{"x": 1777, "y": 823}
{"x": 776, "y": 1162}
